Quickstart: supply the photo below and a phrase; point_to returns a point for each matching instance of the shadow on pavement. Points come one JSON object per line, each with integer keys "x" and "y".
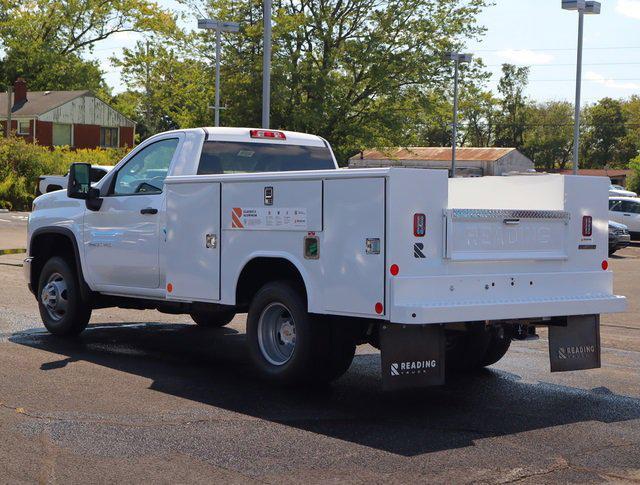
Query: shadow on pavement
{"x": 212, "y": 367}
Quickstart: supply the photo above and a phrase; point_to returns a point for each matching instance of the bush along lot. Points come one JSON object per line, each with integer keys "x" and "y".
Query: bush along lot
{"x": 21, "y": 164}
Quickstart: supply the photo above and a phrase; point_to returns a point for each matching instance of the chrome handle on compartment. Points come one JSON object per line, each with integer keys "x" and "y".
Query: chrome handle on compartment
{"x": 211, "y": 241}
{"x": 511, "y": 222}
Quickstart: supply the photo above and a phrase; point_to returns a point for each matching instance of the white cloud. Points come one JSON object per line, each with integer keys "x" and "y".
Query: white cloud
{"x": 525, "y": 56}
{"x": 629, "y": 8}
{"x": 610, "y": 83}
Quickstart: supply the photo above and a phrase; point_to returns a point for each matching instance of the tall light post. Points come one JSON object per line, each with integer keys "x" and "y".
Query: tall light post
{"x": 457, "y": 58}
{"x": 583, "y": 7}
{"x": 266, "y": 63}
{"x": 219, "y": 27}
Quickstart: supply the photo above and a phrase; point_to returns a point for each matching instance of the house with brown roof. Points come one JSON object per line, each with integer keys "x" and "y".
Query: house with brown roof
{"x": 56, "y": 118}
{"x": 470, "y": 162}
{"x": 617, "y": 176}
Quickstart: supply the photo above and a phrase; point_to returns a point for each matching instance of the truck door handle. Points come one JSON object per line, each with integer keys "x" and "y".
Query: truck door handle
{"x": 628, "y": 215}
{"x": 148, "y": 210}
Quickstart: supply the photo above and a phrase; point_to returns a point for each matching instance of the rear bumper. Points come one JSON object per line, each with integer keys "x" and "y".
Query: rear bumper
{"x": 446, "y": 299}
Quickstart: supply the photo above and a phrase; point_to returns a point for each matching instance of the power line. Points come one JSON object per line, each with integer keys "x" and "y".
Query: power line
{"x": 558, "y": 49}
{"x": 572, "y": 64}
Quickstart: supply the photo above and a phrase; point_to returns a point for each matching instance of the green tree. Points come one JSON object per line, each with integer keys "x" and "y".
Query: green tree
{"x": 548, "y": 138}
{"x": 604, "y": 141}
{"x": 510, "y": 127}
{"x": 166, "y": 91}
{"x": 353, "y": 71}
{"x": 46, "y": 40}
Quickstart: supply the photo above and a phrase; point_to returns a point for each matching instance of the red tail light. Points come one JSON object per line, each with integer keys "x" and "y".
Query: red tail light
{"x": 270, "y": 134}
{"x": 587, "y": 226}
{"x": 419, "y": 225}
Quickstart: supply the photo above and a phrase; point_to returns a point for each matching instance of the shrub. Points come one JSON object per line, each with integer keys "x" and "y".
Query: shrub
{"x": 633, "y": 181}
{"x": 21, "y": 164}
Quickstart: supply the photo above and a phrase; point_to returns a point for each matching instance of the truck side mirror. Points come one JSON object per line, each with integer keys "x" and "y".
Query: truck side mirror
{"x": 79, "y": 181}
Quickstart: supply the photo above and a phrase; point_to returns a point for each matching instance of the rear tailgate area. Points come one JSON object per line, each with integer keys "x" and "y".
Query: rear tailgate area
{"x": 499, "y": 248}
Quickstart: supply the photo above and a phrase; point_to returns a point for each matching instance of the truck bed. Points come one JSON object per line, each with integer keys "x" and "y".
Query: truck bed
{"x": 495, "y": 247}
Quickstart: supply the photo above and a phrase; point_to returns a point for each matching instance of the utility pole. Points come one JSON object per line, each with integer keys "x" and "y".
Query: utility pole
{"x": 457, "y": 58}
{"x": 266, "y": 64}
{"x": 9, "y": 106}
{"x": 583, "y": 7}
{"x": 219, "y": 26}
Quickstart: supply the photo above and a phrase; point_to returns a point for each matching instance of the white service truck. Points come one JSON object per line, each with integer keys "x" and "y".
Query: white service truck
{"x": 436, "y": 272}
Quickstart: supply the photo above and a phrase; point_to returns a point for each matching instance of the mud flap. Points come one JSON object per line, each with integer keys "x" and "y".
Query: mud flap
{"x": 576, "y": 346}
{"x": 412, "y": 355}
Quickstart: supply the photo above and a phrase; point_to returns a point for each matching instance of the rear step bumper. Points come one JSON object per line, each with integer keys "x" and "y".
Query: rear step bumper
{"x": 494, "y": 297}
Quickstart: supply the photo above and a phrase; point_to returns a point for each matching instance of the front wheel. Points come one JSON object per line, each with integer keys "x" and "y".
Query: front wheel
{"x": 62, "y": 308}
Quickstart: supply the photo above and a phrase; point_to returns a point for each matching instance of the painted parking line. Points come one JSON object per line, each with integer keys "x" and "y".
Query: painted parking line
{"x": 12, "y": 251}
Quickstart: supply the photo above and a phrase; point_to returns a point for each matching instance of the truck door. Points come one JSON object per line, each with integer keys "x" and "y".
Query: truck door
{"x": 121, "y": 240}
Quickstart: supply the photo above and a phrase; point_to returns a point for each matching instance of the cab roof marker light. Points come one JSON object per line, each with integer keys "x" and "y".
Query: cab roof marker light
{"x": 270, "y": 134}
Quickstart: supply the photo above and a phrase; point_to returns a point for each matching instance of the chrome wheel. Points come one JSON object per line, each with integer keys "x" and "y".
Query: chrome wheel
{"x": 54, "y": 296}
{"x": 276, "y": 334}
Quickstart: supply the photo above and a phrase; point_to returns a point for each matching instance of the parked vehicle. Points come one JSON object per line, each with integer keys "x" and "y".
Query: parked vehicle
{"x": 620, "y": 191}
{"x": 626, "y": 210}
{"x": 434, "y": 271}
{"x": 51, "y": 183}
{"x": 619, "y": 237}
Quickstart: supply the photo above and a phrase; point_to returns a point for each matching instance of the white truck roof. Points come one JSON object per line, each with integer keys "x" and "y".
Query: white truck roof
{"x": 244, "y": 135}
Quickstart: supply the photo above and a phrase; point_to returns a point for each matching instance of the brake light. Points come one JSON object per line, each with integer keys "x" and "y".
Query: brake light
{"x": 419, "y": 225}
{"x": 587, "y": 226}
{"x": 270, "y": 134}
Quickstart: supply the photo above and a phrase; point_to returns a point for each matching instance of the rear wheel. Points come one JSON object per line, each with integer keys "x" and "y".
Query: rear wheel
{"x": 213, "y": 319}
{"x": 477, "y": 347}
{"x": 499, "y": 344}
{"x": 290, "y": 346}
{"x": 62, "y": 308}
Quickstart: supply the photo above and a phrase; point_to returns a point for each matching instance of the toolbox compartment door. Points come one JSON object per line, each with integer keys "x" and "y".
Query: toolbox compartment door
{"x": 505, "y": 234}
{"x": 352, "y": 253}
{"x": 193, "y": 242}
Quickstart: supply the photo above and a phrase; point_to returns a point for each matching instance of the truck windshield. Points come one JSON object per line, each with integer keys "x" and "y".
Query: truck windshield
{"x": 238, "y": 157}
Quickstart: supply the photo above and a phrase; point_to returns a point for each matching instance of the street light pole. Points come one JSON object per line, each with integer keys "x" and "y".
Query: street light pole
{"x": 266, "y": 64}
{"x": 219, "y": 27}
{"x": 457, "y": 58}
{"x": 454, "y": 135}
{"x": 584, "y": 7}
{"x": 217, "y": 99}
{"x": 576, "y": 116}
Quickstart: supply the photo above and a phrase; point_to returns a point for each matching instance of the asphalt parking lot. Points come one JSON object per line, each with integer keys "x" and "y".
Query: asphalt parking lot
{"x": 146, "y": 397}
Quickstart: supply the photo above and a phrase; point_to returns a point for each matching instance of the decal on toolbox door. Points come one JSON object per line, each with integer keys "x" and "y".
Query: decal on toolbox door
{"x": 260, "y": 218}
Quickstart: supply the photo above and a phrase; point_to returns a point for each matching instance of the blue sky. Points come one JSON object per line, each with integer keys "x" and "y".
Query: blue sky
{"x": 537, "y": 33}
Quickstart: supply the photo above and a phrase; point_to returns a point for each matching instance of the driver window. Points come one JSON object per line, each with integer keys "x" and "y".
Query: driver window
{"x": 145, "y": 172}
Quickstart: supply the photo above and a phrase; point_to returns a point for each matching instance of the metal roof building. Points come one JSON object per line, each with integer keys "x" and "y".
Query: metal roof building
{"x": 74, "y": 118}
{"x": 470, "y": 162}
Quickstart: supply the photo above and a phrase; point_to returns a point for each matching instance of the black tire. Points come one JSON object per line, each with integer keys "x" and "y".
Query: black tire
{"x": 323, "y": 348}
{"x": 498, "y": 344}
{"x": 465, "y": 351}
{"x": 335, "y": 349}
{"x": 214, "y": 319}
{"x": 60, "y": 280}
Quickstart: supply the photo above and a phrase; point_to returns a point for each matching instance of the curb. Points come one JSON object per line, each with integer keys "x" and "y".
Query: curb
{"x": 12, "y": 251}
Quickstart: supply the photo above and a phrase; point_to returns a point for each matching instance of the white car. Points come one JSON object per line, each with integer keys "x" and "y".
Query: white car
{"x": 51, "y": 183}
{"x": 626, "y": 210}
{"x": 212, "y": 222}
{"x": 620, "y": 191}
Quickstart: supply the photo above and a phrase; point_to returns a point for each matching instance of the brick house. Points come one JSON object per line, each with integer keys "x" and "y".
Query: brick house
{"x": 57, "y": 118}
